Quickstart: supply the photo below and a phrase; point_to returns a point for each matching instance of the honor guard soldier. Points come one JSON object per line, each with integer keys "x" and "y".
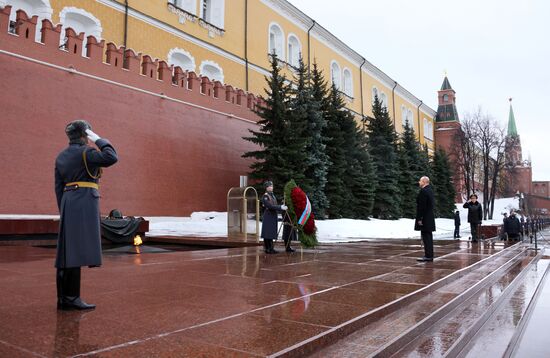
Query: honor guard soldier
{"x": 270, "y": 218}
{"x": 77, "y": 171}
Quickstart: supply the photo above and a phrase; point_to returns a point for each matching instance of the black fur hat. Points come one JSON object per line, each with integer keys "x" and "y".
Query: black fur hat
{"x": 77, "y": 129}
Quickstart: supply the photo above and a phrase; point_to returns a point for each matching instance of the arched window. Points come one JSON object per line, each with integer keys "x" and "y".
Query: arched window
{"x": 40, "y": 8}
{"x": 410, "y": 118}
{"x": 348, "y": 83}
{"x": 213, "y": 12}
{"x": 336, "y": 74}
{"x": 375, "y": 94}
{"x": 294, "y": 50}
{"x": 188, "y": 5}
{"x": 276, "y": 41}
{"x": 181, "y": 58}
{"x": 80, "y": 21}
{"x": 383, "y": 99}
{"x": 404, "y": 115}
{"x": 211, "y": 70}
{"x": 428, "y": 129}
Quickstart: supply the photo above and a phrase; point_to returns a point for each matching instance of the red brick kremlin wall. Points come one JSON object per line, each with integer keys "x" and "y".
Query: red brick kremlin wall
{"x": 174, "y": 156}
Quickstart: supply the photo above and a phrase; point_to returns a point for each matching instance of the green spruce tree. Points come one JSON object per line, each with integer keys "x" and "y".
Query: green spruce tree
{"x": 382, "y": 148}
{"x": 275, "y": 137}
{"x": 331, "y": 104}
{"x": 444, "y": 193}
{"x": 308, "y": 124}
{"x": 358, "y": 175}
{"x": 409, "y": 153}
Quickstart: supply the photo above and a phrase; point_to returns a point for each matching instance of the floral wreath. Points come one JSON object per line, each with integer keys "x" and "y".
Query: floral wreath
{"x": 301, "y": 214}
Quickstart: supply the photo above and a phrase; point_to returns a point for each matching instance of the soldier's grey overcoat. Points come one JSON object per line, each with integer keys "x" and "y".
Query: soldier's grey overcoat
{"x": 79, "y": 240}
{"x": 270, "y": 218}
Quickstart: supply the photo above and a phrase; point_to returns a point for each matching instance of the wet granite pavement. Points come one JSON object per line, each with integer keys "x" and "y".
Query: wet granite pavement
{"x": 211, "y": 303}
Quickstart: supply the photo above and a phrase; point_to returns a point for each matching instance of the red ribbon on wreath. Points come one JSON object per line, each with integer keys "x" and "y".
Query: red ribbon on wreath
{"x": 302, "y": 207}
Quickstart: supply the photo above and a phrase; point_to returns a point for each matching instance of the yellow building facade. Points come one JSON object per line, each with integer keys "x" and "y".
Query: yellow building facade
{"x": 230, "y": 41}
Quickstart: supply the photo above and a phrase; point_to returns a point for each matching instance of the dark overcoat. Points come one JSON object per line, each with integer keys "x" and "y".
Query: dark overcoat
{"x": 270, "y": 218}
{"x": 512, "y": 226}
{"x": 475, "y": 212}
{"x": 425, "y": 209}
{"x": 79, "y": 240}
{"x": 457, "y": 219}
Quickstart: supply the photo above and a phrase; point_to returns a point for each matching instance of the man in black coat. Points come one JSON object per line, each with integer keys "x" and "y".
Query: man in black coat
{"x": 456, "y": 234}
{"x": 77, "y": 172}
{"x": 270, "y": 217}
{"x": 475, "y": 215}
{"x": 512, "y": 227}
{"x": 425, "y": 220}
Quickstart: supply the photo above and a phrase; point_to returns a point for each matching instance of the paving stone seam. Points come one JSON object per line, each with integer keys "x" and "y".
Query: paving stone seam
{"x": 22, "y": 349}
{"x": 522, "y": 325}
{"x": 407, "y": 337}
{"x": 460, "y": 346}
{"x": 355, "y": 323}
{"x": 492, "y": 325}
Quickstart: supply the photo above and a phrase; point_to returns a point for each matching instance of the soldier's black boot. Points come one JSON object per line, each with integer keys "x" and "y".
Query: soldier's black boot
{"x": 266, "y": 247}
{"x": 71, "y": 292}
{"x": 59, "y": 284}
{"x": 271, "y": 246}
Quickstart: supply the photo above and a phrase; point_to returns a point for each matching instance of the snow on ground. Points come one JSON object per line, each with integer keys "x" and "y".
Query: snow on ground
{"x": 340, "y": 230}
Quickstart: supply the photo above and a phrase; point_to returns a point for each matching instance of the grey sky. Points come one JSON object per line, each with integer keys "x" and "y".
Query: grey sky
{"x": 491, "y": 50}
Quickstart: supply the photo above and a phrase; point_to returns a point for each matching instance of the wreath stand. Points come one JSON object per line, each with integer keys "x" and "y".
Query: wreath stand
{"x": 294, "y": 229}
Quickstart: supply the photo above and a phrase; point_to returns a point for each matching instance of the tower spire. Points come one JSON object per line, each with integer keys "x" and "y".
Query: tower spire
{"x": 512, "y": 129}
{"x": 446, "y": 111}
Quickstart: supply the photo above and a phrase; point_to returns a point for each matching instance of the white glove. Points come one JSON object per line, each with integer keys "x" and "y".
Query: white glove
{"x": 91, "y": 135}
{"x": 284, "y": 207}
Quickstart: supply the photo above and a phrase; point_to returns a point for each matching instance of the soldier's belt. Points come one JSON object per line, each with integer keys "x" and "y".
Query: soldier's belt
{"x": 82, "y": 184}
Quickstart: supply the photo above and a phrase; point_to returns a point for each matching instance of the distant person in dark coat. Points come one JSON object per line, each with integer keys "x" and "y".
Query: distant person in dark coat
{"x": 77, "y": 172}
{"x": 504, "y": 220}
{"x": 270, "y": 218}
{"x": 512, "y": 227}
{"x": 475, "y": 215}
{"x": 425, "y": 220}
{"x": 457, "y": 225}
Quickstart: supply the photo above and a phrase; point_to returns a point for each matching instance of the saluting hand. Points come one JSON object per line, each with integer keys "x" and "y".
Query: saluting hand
{"x": 91, "y": 135}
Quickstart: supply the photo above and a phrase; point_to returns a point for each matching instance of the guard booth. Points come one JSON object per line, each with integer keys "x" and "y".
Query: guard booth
{"x": 243, "y": 214}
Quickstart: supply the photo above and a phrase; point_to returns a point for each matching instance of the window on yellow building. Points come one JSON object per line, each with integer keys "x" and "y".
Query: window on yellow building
{"x": 276, "y": 40}
{"x": 410, "y": 118}
{"x": 80, "y": 21}
{"x": 336, "y": 74}
{"x": 294, "y": 50}
{"x": 348, "y": 83}
{"x": 188, "y": 5}
{"x": 428, "y": 129}
{"x": 213, "y": 11}
{"x": 181, "y": 58}
{"x": 40, "y": 8}
{"x": 383, "y": 99}
{"x": 211, "y": 70}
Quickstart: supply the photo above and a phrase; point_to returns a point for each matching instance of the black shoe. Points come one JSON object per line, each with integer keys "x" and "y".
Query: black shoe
{"x": 425, "y": 259}
{"x": 70, "y": 303}
{"x": 289, "y": 249}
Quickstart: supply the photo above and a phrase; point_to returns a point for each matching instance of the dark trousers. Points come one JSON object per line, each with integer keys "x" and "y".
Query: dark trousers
{"x": 289, "y": 234}
{"x": 474, "y": 230}
{"x": 427, "y": 239}
{"x": 68, "y": 283}
{"x": 457, "y": 231}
